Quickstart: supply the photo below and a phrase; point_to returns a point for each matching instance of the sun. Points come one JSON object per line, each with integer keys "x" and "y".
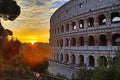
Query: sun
{"x": 33, "y": 42}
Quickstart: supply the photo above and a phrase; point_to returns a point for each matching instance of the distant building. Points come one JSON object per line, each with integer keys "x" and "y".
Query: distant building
{"x": 81, "y": 31}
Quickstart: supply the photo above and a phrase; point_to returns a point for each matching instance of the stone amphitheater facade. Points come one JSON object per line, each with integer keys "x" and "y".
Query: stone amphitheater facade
{"x": 81, "y": 31}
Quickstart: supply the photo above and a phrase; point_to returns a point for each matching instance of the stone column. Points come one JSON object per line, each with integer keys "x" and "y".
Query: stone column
{"x": 63, "y": 42}
{"x": 77, "y": 24}
{"x": 86, "y": 62}
{"x": 96, "y": 61}
{"x": 108, "y": 18}
{"x": 77, "y": 41}
{"x": 96, "y": 39}
{"x": 70, "y": 26}
{"x": 77, "y": 60}
{"x": 69, "y": 42}
{"x": 63, "y": 58}
{"x": 96, "y": 24}
{"x": 69, "y": 60}
{"x": 109, "y": 38}
{"x": 85, "y": 23}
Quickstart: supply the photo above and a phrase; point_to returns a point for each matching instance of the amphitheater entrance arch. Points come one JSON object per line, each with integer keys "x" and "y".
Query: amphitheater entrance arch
{"x": 81, "y": 39}
{"x": 73, "y": 59}
{"x": 114, "y": 38}
{"x": 73, "y": 41}
{"x": 61, "y": 57}
{"x": 102, "y": 19}
{"x": 115, "y": 17}
{"x": 91, "y": 41}
{"x": 66, "y": 58}
{"x": 90, "y": 22}
{"x": 81, "y": 60}
{"x": 91, "y": 61}
{"x": 103, "y": 61}
{"x": 102, "y": 40}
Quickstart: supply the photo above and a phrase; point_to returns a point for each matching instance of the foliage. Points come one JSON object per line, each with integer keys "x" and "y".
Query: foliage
{"x": 9, "y": 10}
{"x": 41, "y": 67}
{"x": 101, "y": 72}
{"x": 82, "y": 74}
{"x": 60, "y": 76}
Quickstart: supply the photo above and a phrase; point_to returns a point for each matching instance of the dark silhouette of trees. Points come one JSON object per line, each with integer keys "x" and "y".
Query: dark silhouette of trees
{"x": 41, "y": 67}
{"x": 9, "y": 10}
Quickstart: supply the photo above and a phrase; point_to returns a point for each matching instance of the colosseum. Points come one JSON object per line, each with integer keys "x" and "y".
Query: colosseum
{"x": 83, "y": 31}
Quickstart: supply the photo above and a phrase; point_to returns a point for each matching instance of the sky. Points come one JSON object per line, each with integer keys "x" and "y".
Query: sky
{"x": 33, "y": 24}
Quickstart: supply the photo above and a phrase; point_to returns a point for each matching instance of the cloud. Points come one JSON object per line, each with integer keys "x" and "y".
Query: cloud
{"x": 35, "y": 17}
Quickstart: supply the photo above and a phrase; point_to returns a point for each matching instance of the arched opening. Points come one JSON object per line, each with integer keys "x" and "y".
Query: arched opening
{"x": 102, "y": 40}
{"x": 114, "y": 38}
{"x": 66, "y": 58}
{"x": 81, "y": 60}
{"x": 73, "y": 59}
{"x": 61, "y": 43}
{"x": 91, "y": 61}
{"x": 67, "y": 27}
{"x": 81, "y": 41}
{"x": 102, "y": 19}
{"x": 62, "y": 29}
{"x": 67, "y": 42}
{"x": 115, "y": 59}
{"x": 61, "y": 57}
{"x": 103, "y": 61}
{"x": 81, "y": 23}
{"x": 73, "y": 42}
{"x": 91, "y": 41}
{"x": 73, "y": 26}
{"x": 115, "y": 17}
{"x": 90, "y": 22}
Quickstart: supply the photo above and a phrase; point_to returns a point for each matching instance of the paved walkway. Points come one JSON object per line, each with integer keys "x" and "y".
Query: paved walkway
{"x": 60, "y": 68}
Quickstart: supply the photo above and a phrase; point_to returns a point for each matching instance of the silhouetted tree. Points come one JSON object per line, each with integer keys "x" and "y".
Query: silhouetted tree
{"x": 41, "y": 67}
{"x": 9, "y": 10}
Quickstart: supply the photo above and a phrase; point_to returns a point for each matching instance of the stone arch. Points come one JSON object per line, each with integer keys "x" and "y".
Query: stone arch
{"x": 66, "y": 58}
{"x": 91, "y": 61}
{"x": 73, "y": 59}
{"x": 73, "y": 41}
{"x": 81, "y": 60}
{"x": 102, "y": 19}
{"x": 61, "y": 57}
{"x": 114, "y": 38}
{"x": 62, "y": 29}
{"x": 90, "y": 22}
{"x": 103, "y": 61}
{"x": 81, "y": 39}
{"x": 115, "y": 17}
{"x": 115, "y": 58}
{"x": 73, "y": 26}
{"x": 102, "y": 40}
{"x": 67, "y": 27}
{"x": 66, "y": 42}
{"x": 61, "y": 43}
{"x": 91, "y": 41}
{"x": 81, "y": 23}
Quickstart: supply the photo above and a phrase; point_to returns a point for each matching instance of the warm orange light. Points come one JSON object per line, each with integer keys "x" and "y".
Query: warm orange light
{"x": 33, "y": 42}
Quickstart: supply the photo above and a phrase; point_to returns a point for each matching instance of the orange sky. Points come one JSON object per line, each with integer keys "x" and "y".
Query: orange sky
{"x": 33, "y": 23}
